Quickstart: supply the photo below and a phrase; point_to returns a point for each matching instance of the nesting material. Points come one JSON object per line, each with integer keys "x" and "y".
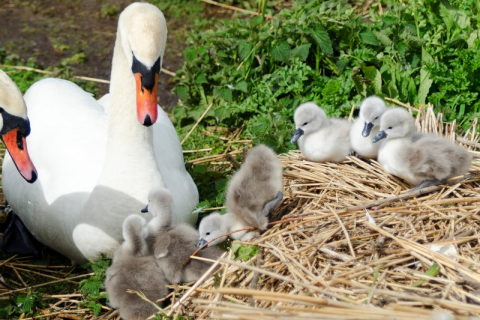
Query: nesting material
{"x": 351, "y": 242}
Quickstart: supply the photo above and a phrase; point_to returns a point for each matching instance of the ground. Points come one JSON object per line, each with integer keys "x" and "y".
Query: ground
{"x": 51, "y": 31}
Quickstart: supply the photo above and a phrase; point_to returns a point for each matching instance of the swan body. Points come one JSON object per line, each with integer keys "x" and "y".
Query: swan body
{"x": 420, "y": 159}
{"x": 320, "y": 138}
{"x": 172, "y": 246}
{"x": 132, "y": 270}
{"x": 252, "y": 193}
{"x": 367, "y": 126}
{"x": 98, "y": 161}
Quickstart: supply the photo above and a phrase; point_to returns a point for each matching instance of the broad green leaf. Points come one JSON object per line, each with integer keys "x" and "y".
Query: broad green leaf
{"x": 301, "y": 51}
{"x": 242, "y": 86}
{"x": 201, "y": 78}
{"x": 225, "y": 93}
{"x": 322, "y": 38}
{"x": 190, "y": 54}
{"x": 472, "y": 38}
{"x": 244, "y": 49}
{"x": 369, "y": 37}
{"x": 244, "y": 252}
{"x": 425, "y": 80}
{"x": 281, "y": 52}
{"x": 372, "y": 74}
{"x": 181, "y": 91}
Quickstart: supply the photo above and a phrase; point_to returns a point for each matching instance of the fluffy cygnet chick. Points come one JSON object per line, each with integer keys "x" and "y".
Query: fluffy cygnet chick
{"x": 320, "y": 138}
{"x": 253, "y": 192}
{"x": 172, "y": 246}
{"x": 420, "y": 159}
{"x": 367, "y": 126}
{"x": 132, "y": 270}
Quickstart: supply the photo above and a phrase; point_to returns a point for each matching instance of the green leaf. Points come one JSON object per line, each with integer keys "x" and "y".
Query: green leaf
{"x": 432, "y": 272}
{"x": 242, "y": 86}
{"x": 222, "y": 113}
{"x": 181, "y": 91}
{"x": 225, "y": 93}
{"x": 382, "y": 37}
{"x": 201, "y": 78}
{"x": 244, "y": 49}
{"x": 425, "y": 79}
{"x": 244, "y": 252}
{"x": 322, "y": 39}
{"x": 301, "y": 51}
{"x": 281, "y": 52}
{"x": 190, "y": 54}
{"x": 372, "y": 74}
{"x": 369, "y": 37}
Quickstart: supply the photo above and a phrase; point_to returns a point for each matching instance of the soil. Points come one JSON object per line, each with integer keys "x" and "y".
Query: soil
{"x": 52, "y": 30}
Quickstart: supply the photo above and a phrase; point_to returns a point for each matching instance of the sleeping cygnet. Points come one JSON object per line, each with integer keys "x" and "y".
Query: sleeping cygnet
{"x": 320, "y": 138}
{"x": 132, "y": 270}
{"x": 253, "y": 192}
{"x": 420, "y": 159}
{"x": 367, "y": 126}
{"x": 173, "y": 246}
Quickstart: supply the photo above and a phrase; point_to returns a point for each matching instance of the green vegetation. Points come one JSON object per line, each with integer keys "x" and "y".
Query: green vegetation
{"x": 257, "y": 71}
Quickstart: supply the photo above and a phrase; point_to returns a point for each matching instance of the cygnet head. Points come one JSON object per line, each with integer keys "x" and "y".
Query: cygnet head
{"x": 395, "y": 123}
{"x": 371, "y": 111}
{"x": 142, "y": 31}
{"x": 160, "y": 206}
{"x": 134, "y": 236}
{"x": 15, "y": 127}
{"x": 308, "y": 117}
{"x": 211, "y": 227}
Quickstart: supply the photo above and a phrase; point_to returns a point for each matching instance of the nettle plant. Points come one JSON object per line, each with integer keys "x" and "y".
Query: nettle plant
{"x": 257, "y": 71}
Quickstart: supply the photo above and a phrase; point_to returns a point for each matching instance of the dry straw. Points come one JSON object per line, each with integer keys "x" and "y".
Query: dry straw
{"x": 354, "y": 243}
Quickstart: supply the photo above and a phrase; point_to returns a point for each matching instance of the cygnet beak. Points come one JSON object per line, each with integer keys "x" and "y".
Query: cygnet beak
{"x": 201, "y": 242}
{"x": 296, "y": 135}
{"x": 381, "y": 135}
{"x": 366, "y": 129}
{"x": 145, "y": 210}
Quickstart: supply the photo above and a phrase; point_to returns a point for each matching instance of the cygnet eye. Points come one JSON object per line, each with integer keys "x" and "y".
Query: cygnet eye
{"x": 389, "y": 128}
{"x": 375, "y": 118}
{"x": 305, "y": 123}
{"x": 208, "y": 233}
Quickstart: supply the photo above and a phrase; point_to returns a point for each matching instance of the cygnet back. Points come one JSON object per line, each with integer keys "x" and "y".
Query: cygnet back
{"x": 131, "y": 270}
{"x": 367, "y": 126}
{"x": 172, "y": 246}
{"x": 258, "y": 182}
{"x": 423, "y": 159}
{"x": 320, "y": 138}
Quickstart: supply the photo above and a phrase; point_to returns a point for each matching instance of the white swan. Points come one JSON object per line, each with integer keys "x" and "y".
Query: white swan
{"x": 320, "y": 138}
{"x": 96, "y": 167}
{"x": 367, "y": 126}
{"x": 421, "y": 159}
{"x": 15, "y": 127}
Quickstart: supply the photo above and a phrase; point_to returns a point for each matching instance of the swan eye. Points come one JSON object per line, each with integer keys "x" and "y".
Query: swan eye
{"x": 305, "y": 123}
{"x": 390, "y": 128}
{"x": 375, "y": 118}
{"x": 208, "y": 233}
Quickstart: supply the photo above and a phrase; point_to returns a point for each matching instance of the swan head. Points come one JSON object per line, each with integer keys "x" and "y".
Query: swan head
{"x": 211, "y": 227}
{"x": 143, "y": 32}
{"x": 371, "y": 111}
{"x": 15, "y": 127}
{"x": 160, "y": 206}
{"x": 395, "y": 123}
{"x": 308, "y": 117}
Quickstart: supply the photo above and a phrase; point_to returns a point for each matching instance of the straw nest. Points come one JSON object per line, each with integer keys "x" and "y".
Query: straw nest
{"x": 351, "y": 242}
{"x": 348, "y": 242}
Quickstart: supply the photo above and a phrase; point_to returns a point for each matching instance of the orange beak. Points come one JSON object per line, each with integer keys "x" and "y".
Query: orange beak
{"x": 147, "y": 112}
{"x": 18, "y": 151}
